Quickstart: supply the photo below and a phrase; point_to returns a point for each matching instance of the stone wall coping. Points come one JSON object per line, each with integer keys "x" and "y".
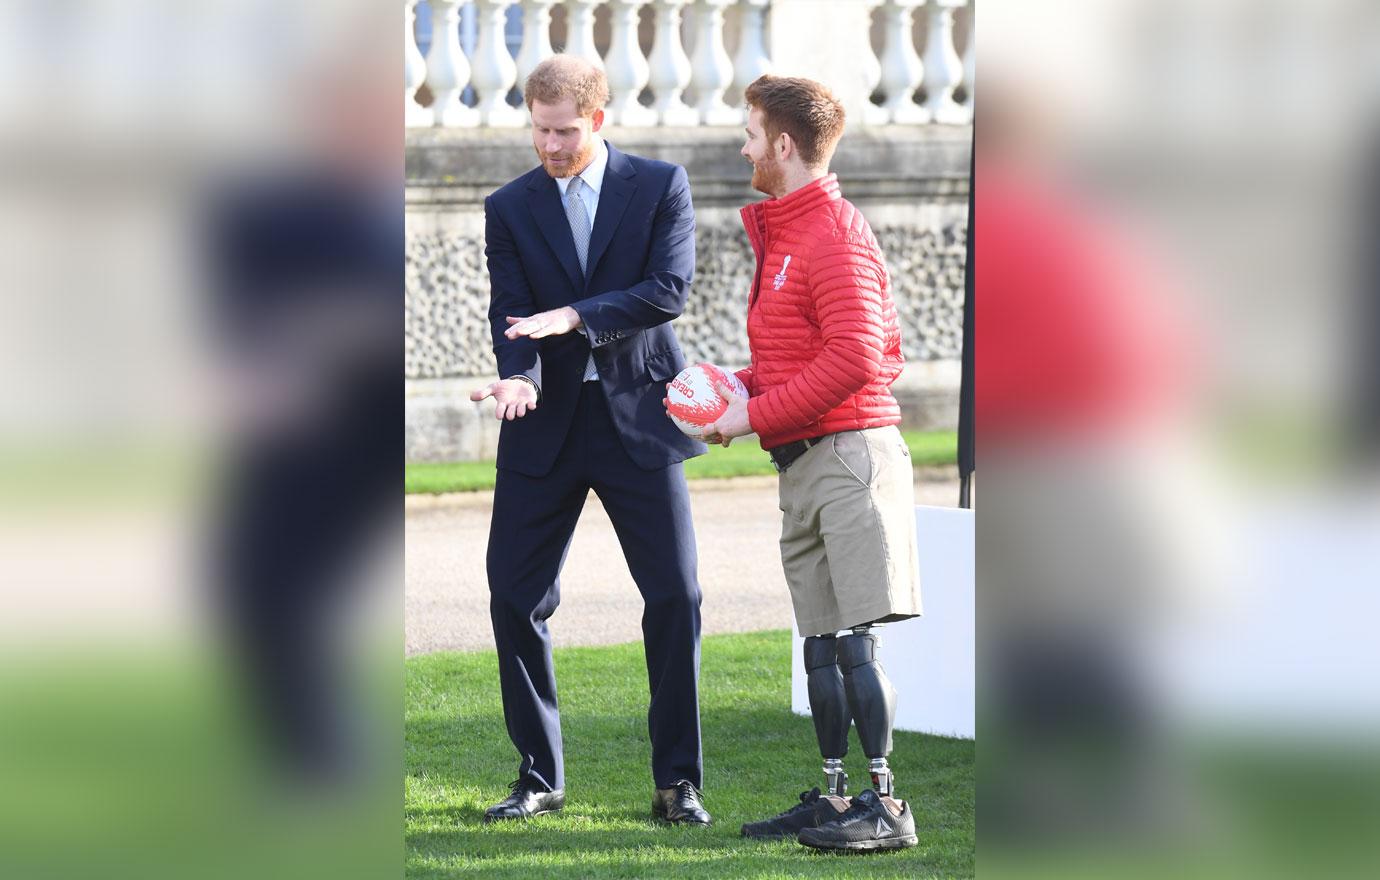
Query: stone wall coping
{"x": 459, "y": 166}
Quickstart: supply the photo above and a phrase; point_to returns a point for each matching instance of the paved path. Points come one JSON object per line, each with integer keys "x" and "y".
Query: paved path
{"x": 737, "y": 525}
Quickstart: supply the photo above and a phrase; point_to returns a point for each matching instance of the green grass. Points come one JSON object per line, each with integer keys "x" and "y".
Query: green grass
{"x": 758, "y": 756}
{"x": 47, "y": 474}
{"x": 744, "y": 458}
{"x": 436, "y": 478}
{"x": 119, "y": 762}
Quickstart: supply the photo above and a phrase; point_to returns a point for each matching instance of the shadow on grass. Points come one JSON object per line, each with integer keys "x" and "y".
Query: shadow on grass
{"x": 545, "y": 846}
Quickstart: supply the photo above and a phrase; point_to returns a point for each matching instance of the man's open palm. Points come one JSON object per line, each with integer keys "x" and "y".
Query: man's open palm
{"x": 515, "y": 397}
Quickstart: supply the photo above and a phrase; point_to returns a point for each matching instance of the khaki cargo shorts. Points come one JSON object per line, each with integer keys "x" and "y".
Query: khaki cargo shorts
{"x": 848, "y": 532}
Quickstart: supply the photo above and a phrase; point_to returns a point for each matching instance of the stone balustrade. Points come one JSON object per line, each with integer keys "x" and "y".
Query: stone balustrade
{"x": 669, "y": 64}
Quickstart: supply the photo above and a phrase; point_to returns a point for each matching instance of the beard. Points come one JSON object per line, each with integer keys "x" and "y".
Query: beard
{"x": 573, "y": 163}
{"x": 767, "y": 177}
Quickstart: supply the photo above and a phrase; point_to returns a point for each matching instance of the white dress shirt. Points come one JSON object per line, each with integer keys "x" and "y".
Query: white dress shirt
{"x": 593, "y": 176}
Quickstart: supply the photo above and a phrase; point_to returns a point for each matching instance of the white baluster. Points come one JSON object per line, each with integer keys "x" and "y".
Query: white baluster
{"x": 627, "y": 67}
{"x": 871, "y": 69}
{"x": 970, "y": 65}
{"x": 942, "y": 67}
{"x": 670, "y": 69}
{"x": 579, "y": 28}
{"x": 494, "y": 68}
{"x": 536, "y": 37}
{"x": 902, "y": 72}
{"x": 447, "y": 71}
{"x": 750, "y": 61}
{"x": 711, "y": 68}
{"x": 414, "y": 114}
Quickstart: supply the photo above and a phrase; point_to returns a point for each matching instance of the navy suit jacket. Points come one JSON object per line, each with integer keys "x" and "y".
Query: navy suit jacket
{"x": 638, "y": 270}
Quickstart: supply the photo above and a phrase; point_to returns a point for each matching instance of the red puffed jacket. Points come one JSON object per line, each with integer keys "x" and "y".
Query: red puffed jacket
{"x": 822, "y": 326}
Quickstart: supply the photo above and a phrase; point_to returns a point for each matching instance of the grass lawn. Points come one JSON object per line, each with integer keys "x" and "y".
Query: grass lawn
{"x": 744, "y": 458}
{"x": 137, "y": 763}
{"x": 758, "y": 756}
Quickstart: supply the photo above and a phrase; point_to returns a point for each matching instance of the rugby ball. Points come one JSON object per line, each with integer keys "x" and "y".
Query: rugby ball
{"x": 692, "y": 402}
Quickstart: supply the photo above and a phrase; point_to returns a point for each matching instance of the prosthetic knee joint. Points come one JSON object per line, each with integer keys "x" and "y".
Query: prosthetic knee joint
{"x": 871, "y": 701}
{"x": 828, "y": 707}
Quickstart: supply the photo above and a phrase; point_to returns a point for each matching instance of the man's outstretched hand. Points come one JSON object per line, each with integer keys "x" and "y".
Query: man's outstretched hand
{"x": 734, "y": 420}
{"x": 515, "y": 397}
{"x": 552, "y": 323}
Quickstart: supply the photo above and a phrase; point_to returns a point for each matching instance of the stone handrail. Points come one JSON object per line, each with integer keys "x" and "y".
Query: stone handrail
{"x": 472, "y": 81}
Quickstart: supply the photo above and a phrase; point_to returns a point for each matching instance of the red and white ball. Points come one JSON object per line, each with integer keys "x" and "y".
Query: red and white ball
{"x": 692, "y": 402}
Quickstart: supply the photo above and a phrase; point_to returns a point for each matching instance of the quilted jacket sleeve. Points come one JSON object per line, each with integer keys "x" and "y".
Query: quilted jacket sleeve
{"x": 846, "y": 292}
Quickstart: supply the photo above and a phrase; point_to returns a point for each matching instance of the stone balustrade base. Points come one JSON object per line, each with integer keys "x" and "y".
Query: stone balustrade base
{"x": 444, "y": 425}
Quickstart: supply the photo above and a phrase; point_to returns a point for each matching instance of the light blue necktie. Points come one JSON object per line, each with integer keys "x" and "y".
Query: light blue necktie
{"x": 578, "y": 216}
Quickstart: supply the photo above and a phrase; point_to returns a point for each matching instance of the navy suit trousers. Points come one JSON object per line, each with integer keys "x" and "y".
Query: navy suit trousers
{"x": 533, "y": 521}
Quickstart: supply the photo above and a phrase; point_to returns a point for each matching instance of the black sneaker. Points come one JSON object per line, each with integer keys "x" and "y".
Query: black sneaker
{"x": 813, "y": 810}
{"x": 868, "y": 824}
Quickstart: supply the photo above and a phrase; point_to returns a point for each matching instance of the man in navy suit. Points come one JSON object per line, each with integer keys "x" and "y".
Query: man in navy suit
{"x": 590, "y": 258}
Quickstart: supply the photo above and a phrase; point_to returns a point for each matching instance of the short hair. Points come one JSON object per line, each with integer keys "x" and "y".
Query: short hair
{"x": 566, "y": 76}
{"x": 802, "y": 108}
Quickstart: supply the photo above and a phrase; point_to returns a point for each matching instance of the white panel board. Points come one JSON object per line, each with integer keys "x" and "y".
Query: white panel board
{"x": 929, "y": 659}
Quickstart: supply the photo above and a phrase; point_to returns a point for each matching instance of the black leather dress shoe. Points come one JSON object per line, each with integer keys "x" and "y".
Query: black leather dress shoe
{"x": 680, "y": 805}
{"x": 526, "y": 799}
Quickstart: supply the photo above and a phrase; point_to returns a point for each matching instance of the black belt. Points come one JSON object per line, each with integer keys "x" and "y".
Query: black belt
{"x": 783, "y": 457}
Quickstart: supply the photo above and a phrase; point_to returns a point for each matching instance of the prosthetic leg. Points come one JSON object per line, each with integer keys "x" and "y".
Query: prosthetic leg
{"x": 871, "y": 701}
{"x": 829, "y": 707}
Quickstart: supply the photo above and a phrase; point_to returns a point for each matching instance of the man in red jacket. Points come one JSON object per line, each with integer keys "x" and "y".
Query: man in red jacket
{"x": 826, "y": 347}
